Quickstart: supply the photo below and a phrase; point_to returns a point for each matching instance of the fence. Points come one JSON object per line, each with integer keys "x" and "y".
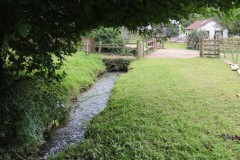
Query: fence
{"x": 141, "y": 47}
{"x": 151, "y": 45}
{"x": 229, "y": 52}
{"x": 88, "y": 45}
{"x": 228, "y": 49}
{"x": 209, "y": 47}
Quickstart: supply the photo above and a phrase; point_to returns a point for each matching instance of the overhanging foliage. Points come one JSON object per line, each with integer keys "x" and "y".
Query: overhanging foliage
{"x": 32, "y": 31}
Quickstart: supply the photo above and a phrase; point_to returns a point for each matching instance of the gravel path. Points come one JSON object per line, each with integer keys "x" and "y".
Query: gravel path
{"x": 174, "y": 53}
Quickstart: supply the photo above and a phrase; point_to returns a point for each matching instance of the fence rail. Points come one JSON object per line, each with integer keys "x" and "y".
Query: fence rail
{"x": 229, "y": 52}
{"x": 209, "y": 47}
{"x": 228, "y": 49}
{"x": 141, "y": 47}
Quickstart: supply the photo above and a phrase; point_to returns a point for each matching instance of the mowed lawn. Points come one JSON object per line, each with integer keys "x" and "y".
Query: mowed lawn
{"x": 167, "y": 109}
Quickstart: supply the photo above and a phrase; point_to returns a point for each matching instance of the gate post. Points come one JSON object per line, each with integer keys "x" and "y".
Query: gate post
{"x": 201, "y": 46}
{"x": 153, "y": 44}
{"x": 100, "y": 48}
{"x": 139, "y": 49}
{"x": 218, "y": 45}
{"x": 142, "y": 48}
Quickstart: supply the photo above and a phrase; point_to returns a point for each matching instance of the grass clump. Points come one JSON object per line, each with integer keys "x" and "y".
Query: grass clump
{"x": 30, "y": 105}
{"x": 167, "y": 109}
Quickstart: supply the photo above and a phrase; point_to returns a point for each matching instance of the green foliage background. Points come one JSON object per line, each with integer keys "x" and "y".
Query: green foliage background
{"x": 108, "y": 36}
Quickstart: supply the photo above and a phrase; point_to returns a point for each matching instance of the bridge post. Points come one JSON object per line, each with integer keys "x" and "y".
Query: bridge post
{"x": 100, "y": 48}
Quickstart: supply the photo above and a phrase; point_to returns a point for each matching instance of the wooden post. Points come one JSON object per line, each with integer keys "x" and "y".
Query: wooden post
{"x": 224, "y": 48}
{"x": 146, "y": 46}
{"x": 201, "y": 41}
{"x": 87, "y": 47}
{"x": 214, "y": 42}
{"x": 156, "y": 44}
{"x": 100, "y": 48}
{"x": 218, "y": 43}
{"x": 139, "y": 49}
{"x": 153, "y": 44}
{"x": 138, "y": 45}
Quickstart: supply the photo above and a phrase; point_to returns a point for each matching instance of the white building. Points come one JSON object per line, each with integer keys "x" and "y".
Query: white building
{"x": 212, "y": 28}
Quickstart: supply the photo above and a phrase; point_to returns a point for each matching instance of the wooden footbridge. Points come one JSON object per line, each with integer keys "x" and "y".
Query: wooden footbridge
{"x": 134, "y": 47}
{"x": 131, "y": 50}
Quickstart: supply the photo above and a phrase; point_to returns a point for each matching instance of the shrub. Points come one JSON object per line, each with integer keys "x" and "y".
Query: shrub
{"x": 193, "y": 38}
{"x": 27, "y": 108}
{"x": 108, "y": 36}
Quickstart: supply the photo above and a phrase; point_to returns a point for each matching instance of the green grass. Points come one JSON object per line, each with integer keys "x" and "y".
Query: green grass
{"x": 228, "y": 56}
{"x": 82, "y": 72}
{"x": 175, "y": 45}
{"x": 32, "y": 105}
{"x": 167, "y": 109}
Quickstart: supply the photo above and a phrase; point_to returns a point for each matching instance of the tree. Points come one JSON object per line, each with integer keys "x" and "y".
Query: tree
{"x": 193, "y": 38}
{"x": 32, "y": 32}
{"x": 230, "y": 20}
{"x": 108, "y": 36}
{"x": 192, "y": 18}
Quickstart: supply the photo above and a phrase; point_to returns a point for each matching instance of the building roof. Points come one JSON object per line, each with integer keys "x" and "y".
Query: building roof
{"x": 198, "y": 24}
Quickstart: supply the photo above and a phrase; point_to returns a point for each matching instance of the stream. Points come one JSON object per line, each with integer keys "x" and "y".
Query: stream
{"x": 89, "y": 104}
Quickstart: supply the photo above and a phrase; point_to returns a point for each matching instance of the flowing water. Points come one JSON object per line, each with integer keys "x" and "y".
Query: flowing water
{"x": 89, "y": 104}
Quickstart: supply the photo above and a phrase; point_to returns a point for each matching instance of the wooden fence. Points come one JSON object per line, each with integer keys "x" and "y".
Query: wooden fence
{"x": 230, "y": 50}
{"x": 151, "y": 45}
{"x": 209, "y": 47}
{"x": 141, "y": 47}
{"x": 88, "y": 45}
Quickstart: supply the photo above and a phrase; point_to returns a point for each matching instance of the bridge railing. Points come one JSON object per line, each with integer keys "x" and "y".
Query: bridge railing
{"x": 141, "y": 47}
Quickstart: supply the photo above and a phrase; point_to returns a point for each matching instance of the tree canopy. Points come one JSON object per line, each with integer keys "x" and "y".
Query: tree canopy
{"x": 32, "y": 32}
{"x": 231, "y": 21}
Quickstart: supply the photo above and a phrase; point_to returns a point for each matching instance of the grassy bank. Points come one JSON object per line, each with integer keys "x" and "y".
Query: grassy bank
{"x": 82, "y": 71}
{"x": 167, "y": 109}
{"x": 31, "y": 105}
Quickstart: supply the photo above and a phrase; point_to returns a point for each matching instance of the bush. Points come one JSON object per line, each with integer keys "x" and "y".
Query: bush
{"x": 27, "y": 107}
{"x": 108, "y": 36}
{"x": 193, "y": 38}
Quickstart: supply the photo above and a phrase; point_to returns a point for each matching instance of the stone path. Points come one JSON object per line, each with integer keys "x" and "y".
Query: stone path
{"x": 174, "y": 53}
